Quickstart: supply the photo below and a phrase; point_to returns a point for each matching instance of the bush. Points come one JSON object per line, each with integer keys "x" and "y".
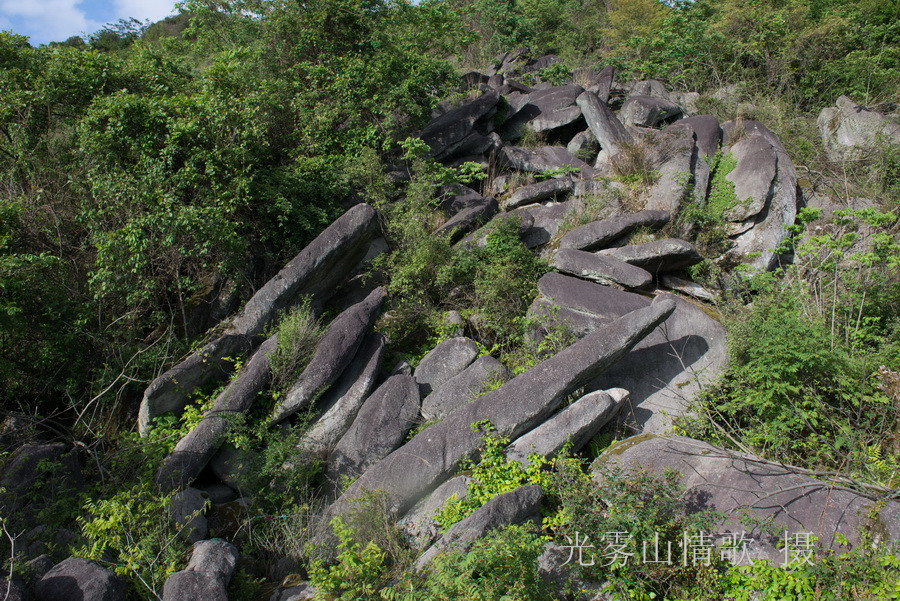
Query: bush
{"x": 299, "y": 332}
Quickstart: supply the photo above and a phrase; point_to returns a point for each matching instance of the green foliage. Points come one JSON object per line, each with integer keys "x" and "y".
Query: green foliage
{"x": 709, "y": 219}
{"x": 298, "y": 334}
{"x": 358, "y": 574}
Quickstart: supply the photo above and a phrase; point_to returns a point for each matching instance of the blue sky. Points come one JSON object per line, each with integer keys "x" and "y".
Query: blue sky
{"x": 55, "y": 20}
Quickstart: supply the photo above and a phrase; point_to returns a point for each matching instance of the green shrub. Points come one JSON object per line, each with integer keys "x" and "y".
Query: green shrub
{"x": 298, "y": 334}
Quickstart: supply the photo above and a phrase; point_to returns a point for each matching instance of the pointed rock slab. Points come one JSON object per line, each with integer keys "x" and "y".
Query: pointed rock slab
{"x": 575, "y": 425}
{"x": 316, "y": 270}
{"x": 706, "y": 130}
{"x": 419, "y": 526}
{"x": 658, "y": 256}
{"x": 545, "y": 190}
{"x": 753, "y": 176}
{"x": 433, "y": 455}
{"x": 648, "y": 111}
{"x": 333, "y": 354}
{"x": 543, "y": 111}
{"x": 601, "y": 234}
{"x": 734, "y": 483}
{"x": 683, "y": 173}
{"x": 194, "y": 451}
{"x": 687, "y": 287}
{"x": 503, "y": 510}
{"x": 444, "y": 361}
{"x": 545, "y": 158}
{"x": 648, "y": 87}
{"x": 457, "y": 197}
{"x": 453, "y": 131}
{"x": 584, "y": 145}
{"x": 380, "y": 427}
{"x": 463, "y": 387}
{"x": 342, "y": 402}
{"x": 606, "y": 127}
{"x": 603, "y": 270}
{"x": 599, "y": 83}
{"x": 207, "y": 574}
{"x": 469, "y": 219}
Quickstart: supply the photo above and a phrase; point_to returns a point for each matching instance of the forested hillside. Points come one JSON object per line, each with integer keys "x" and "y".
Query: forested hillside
{"x": 362, "y": 299}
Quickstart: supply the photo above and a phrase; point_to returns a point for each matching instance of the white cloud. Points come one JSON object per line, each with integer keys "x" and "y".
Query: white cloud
{"x": 46, "y": 20}
{"x": 144, "y": 9}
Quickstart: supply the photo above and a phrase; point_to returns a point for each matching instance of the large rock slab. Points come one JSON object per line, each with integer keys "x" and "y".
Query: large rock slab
{"x": 23, "y": 475}
{"x": 194, "y": 451}
{"x": 469, "y": 219}
{"x": 732, "y": 483}
{"x": 544, "y": 190}
{"x": 341, "y": 404}
{"x": 849, "y": 129}
{"x": 316, "y": 271}
{"x": 452, "y": 133}
{"x": 380, "y": 427}
{"x": 418, "y": 525}
{"x": 706, "y": 130}
{"x": 598, "y": 82}
{"x": 335, "y": 351}
{"x": 575, "y": 425}
{"x": 657, "y": 256}
{"x": 545, "y": 220}
{"x": 604, "y": 124}
{"x": 683, "y": 172}
{"x": 503, "y": 510}
{"x": 603, "y": 270}
{"x": 600, "y": 234}
{"x": 433, "y": 455}
{"x": 187, "y": 509}
{"x": 543, "y": 111}
{"x": 207, "y": 574}
{"x": 463, "y": 387}
{"x": 444, "y": 361}
{"x": 81, "y": 579}
{"x": 545, "y": 158}
{"x": 648, "y": 111}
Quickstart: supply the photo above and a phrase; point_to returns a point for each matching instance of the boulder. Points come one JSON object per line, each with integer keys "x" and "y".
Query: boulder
{"x": 457, "y": 197}
{"x": 469, "y": 219}
{"x": 686, "y": 287}
{"x": 545, "y": 158}
{"x": 187, "y": 510}
{"x": 648, "y": 87}
{"x": 849, "y": 130}
{"x": 544, "y": 190}
{"x": 543, "y": 111}
{"x": 302, "y": 592}
{"x": 749, "y": 491}
{"x": 315, "y": 271}
{"x": 603, "y": 270}
{"x": 207, "y": 574}
{"x": 597, "y": 82}
{"x": 418, "y": 525}
{"x": 235, "y": 468}
{"x": 433, "y": 455}
{"x": 584, "y": 145}
{"x": 575, "y": 425}
{"x": 379, "y": 428}
{"x": 23, "y": 476}
{"x": 444, "y": 361}
{"x": 463, "y": 387}
{"x": 683, "y": 175}
{"x": 648, "y": 111}
{"x": 453, "y": 132}
{"x": 658, "y": 256}
{"x": 79, "y": 579}
{"x": 335, "y": 351}
{"x": 604, "y": 124}
{"x": 508, "y": 508}
{"x": 706, "y": 130}
{"x": 600, "y": 234}
{"x": 14, "y": 590}
{"x": 193, "y": 452}
{"x": 341, "y": 403}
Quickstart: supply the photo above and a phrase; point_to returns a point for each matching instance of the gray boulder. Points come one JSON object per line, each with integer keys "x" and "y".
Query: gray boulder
{"x": 316, "y": 271}
{"x": 454, "y": 132}
{"x": 706, "y": 130}
{"x": 575, "y": 425}
{"x": 193, "y": 452}
{"x": 545, "y": 158}
{"x": 444, "y": 361}
{"x": 333, "y": 354}
{"x": 543, "y": 111}
{"x": 734, "y": 483}
{"x": 598, "y": 82}
{"x": 24, "y": 477}
{"x": 418, "y": 525}
{"x": 683, "y": 173}
{"x": 14, "y": 590}
{"x": 457, "y": 197}
{"x": 235, "y": 468}
{"x": 604, "y": 124}
{"x": 380, "y": 427}
{"x": 584, "y": 145}
{"x": 603, "y": 270}
{"x": 600, "y": 234}
{"x": 849, "y": 129}
{"x": 207, "y": 574}
{"x": 508, "y": 508}
{"x": 341, "y": 404}
{"x": 469, "y": 219}
{"x": 187, "y": 510}
{"x": 648, "y": 87}
{"x": 433, "y": 455}
{"x": 79, "y": 579}
{"x": 648, "y": 111}
{"x": 463, "y": 387}
{"x": 658, "y": 256}
{"x": 544, "y": 190}
{"x": 686, "y": 287}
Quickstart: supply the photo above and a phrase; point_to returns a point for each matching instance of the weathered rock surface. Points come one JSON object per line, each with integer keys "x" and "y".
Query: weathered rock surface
{"x": 463, "y": 387}
{"x": 683, "y": 173}
{"x": 433, "y": 455}
{"x": 648, "y": 111}
{"x": 686, "y": 287}
{"x": 584, "y": 145}
{"x": 545, "y": 158}
{"x": 576, "y": 424}
{"x": 341, "y": 404}
{"x": 849, "y": 129}
{"x": 14, "y": 590}
{"x": 453, "y": 132}
{"x": 79, "y": 579}
{"x": 444, "y": 361}
{"x": 648, "y": 87}
{"x": 598, "y": 82}
{"x": 418, "y": 525}
{"x": 658, "y": 256}
{"x": 457, "y": 197}
{"x": 316, "y": 271}
{"x": 604, "y": 124}
{"x": 603, "y": 270}
{"x": 469, "y": 219}
{"x": 542, "y": 111}
{"x": 600, "y": 234}
{"x": 545, "y": 220}
{"x": 544, "y": 190}
{"x": 509, "y": 508}
{"x": 729, "y": 482}
{"x": 193, "y": 452}
{"x": 22, "y": 474}
{"x": 207, "y": 574}
{"x": 380, "y": 427}
{"x": 333, "y": 354}
{"x": 706, "y": 132}
{"x": 187, "y": 510}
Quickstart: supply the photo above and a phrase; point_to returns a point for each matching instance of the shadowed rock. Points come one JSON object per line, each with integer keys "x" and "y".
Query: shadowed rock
{"x": 606, "y": 127}
{"x": 187, "y": 511}
{"x": 670, "y": 254}
{"x": 79, "y": 579}
{"x": 418, "y": 525}
{"x": 550, "y": 188}
{"x": 333, "y": 354}
{"x": 545, "y": 158}
{"x": 433, "y": 455}
{"x": 584, "y": 145}
{"x": 463, "y": 387}
{"x": 469, "y": 219}
{"x": 706, "y": 132}
{"x": 207, "y": 574}
{"x": 603, "y": 270}
{"x": 647, "y": 111}
{"x": 543, "y": 111}
{"x": 601, "y": 234}
{"x": 599, "y": 83}
{"x": 444, "y": 361}
{"x": 686, "y": 287}
{"x": 454, "y": 132}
